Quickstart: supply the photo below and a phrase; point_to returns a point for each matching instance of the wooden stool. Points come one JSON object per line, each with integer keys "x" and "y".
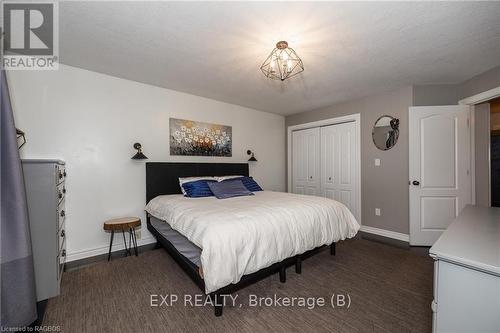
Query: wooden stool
{"x": 123, "y": 224}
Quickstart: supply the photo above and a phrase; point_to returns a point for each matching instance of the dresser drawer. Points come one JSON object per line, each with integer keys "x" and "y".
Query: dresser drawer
{"x": 61, "y": 236}
{"x": 60, "y": 173}
{"x": 61, "y": 192}
{"x": 61, "y": 215}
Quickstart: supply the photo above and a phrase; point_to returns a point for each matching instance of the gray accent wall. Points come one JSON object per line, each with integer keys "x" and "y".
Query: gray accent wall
{"x": 435, "y": 94}
{"x": 480, "y": 83}
{"x": 449, "y": 94}
{"x": 386, "y": 186}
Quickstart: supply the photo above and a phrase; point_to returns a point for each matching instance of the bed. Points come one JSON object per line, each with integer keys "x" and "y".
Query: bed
{"x": 224, "y": 245}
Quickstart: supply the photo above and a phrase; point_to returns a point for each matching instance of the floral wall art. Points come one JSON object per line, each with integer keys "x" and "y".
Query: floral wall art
{"x": 194, "y": 138}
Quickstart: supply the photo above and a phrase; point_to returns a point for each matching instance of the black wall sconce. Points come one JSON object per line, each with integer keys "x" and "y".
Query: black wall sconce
{"x": 139, "y": 155}
{"x": 252, "y": 157}
{"x": 20, "y": 135}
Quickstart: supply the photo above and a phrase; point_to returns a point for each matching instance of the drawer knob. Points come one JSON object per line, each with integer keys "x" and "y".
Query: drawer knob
{"x": 63, "y": 233}
{"x": 60, "y": 195}
{"x": 64, "y": 189}
{"x": 63, "y": 213}
{"x": 64, "y": 173}
{"x": 63, "y": 253}
{"x": 60, "y": 175}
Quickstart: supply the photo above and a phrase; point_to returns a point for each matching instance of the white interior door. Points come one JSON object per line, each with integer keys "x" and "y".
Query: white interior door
{"x": 338, "y": 162}
{"x": 305, "y": 165}
{"x": 440, "y": 177}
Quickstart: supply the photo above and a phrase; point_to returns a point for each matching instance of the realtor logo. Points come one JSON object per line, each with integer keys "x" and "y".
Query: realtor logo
{"x": 30, "y": 35}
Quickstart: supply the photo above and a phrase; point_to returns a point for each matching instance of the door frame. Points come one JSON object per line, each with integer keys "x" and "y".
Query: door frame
{"x": 482, "y": 97}
{"x": 356, "y": 118}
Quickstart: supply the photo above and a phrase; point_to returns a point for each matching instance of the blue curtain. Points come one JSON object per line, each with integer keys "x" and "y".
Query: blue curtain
{"x": 18, "y": 307}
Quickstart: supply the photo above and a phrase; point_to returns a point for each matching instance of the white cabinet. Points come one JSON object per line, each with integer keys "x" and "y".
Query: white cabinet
{"x": 467, "y": 273}
{"x": 324, "y": 163}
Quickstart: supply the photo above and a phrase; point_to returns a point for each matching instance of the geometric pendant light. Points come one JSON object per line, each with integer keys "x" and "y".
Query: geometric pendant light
{"x": 282, "y": 63}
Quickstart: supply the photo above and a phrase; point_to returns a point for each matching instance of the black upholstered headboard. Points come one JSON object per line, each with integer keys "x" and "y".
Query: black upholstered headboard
{"x": 163, "y": 177}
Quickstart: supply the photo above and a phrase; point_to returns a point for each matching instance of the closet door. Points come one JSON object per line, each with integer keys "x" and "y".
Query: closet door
{"x": 338, "y": 164}
{"x": 305, "y": 165}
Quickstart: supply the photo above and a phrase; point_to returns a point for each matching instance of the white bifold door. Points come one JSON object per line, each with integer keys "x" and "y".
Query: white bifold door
{"x": 324, "y": 163}
{"x": 440, "y": 175}
{"x": 305, "y": 157}
{"x": 338, "y": 152}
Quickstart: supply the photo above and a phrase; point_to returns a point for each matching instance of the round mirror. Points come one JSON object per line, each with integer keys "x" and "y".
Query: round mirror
{"x": 385, "y": 132}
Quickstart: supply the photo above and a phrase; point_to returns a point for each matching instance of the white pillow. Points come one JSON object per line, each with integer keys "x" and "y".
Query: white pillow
{"x": 219, "y": 179}
{"x": 192, "y": 179}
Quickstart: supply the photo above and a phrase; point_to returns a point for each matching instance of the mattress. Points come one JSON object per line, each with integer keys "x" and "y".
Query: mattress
{"x": 242, "y": 235}
{"x": 181, "y": 243}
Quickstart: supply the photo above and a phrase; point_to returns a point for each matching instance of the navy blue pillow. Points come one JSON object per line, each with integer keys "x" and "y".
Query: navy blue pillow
{"x": 248, "y": 182}
{"x": 229, "y": 189}
{"x": 198, "y": 188}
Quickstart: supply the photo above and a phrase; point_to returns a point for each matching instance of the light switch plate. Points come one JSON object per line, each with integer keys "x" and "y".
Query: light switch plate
{"x": 377, "y": 211}
{"x": 377, "y": 162}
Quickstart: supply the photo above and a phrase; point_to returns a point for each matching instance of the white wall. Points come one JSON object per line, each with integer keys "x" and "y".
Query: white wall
{"x": 91, "y": 120}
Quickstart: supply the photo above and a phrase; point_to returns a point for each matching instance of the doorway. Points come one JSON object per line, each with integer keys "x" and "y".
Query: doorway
{"x": 487, "y": 145}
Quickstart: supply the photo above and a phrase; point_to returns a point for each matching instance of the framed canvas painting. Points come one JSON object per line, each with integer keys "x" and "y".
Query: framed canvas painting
{"x": 193, "y": 138}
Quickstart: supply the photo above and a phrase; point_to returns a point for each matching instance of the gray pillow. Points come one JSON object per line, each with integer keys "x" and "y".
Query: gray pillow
{"x": 229, "y": 189}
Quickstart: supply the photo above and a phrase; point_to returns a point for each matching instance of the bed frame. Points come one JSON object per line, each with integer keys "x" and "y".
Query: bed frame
{"x": 163, "y": 178}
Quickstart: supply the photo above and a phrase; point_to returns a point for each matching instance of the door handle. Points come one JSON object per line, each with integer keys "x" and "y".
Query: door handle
{"x": 416, "y": 182}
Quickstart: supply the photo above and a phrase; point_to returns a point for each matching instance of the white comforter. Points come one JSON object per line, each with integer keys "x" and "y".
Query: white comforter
{"x": 242, "y": 235}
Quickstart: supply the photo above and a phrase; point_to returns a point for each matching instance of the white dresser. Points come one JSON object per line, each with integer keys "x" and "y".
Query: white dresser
{"x": 467, "y": 273}
{"x": 45, "y": 193}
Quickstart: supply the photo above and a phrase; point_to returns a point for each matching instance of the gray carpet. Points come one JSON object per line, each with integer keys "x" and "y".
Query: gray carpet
{"x": 390, "y": 290}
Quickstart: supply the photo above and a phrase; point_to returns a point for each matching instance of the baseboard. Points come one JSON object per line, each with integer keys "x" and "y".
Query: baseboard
{"x": 82, "y": 254}
{"x": 386, "y": 233}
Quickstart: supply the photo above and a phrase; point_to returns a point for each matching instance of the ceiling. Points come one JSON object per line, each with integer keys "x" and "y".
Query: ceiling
{"x": 214, "y": 49}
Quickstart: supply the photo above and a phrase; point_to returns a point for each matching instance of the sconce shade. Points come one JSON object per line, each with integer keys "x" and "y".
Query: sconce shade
{"x": 252, "y": 158}
{"x": 139, "y": 155}
{"x": 20, "y": 135}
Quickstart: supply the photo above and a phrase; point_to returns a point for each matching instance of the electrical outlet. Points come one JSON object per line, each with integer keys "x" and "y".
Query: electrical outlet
{"x": 377, "y": 211}
{"x": 377, "y": 162}
{"x": 138, "y": 234}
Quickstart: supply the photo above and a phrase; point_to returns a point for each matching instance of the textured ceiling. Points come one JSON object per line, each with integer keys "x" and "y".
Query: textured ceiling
{"x": 214, "y": 49}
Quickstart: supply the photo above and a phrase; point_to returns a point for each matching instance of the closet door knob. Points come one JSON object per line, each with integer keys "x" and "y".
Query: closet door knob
{"x": 63, "y": 233}
{"x": 63, "y": 213}
{"x": 310, "y": 177}
{"x": 60, "y": 175}
{"x": 329, "y": 178}
{"x": 416, "y": 182}
{"x": 60, "y": 195}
